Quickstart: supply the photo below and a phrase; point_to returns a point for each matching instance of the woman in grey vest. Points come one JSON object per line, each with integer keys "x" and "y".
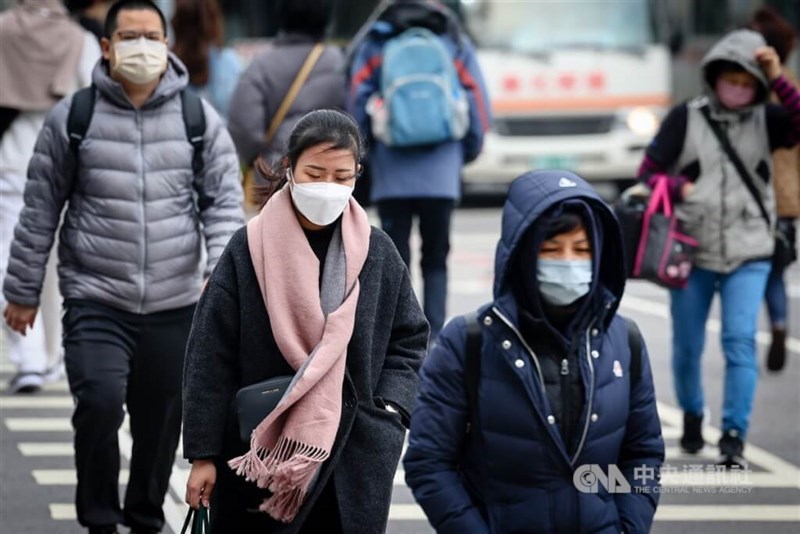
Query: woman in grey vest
{"x": 733, "y": 222}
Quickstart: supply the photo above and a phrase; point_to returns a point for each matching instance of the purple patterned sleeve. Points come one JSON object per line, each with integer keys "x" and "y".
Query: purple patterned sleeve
{"x": 790, "y": 99}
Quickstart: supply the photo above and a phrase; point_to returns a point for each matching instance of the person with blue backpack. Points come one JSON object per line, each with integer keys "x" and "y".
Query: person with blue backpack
{"x": 418, "y": 94}
{"x": 523, "y": 404}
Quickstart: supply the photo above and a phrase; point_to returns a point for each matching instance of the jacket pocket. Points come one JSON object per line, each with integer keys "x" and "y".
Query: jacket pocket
{"x": 532, "y": 514}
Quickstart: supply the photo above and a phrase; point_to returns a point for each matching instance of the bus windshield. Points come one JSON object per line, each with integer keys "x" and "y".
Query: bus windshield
{"x": 543, "y": 26}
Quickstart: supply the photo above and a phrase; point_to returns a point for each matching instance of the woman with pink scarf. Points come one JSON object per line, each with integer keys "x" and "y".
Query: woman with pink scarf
{"x": 308, "y": 289}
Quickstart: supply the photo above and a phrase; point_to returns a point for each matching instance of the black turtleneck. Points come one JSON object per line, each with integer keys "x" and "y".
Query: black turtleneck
{"x": 319, "y": 241}
{"x": 558, "y": 359}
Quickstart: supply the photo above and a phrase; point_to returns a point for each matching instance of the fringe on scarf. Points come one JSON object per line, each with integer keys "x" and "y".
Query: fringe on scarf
{"x": 287, "y": 471}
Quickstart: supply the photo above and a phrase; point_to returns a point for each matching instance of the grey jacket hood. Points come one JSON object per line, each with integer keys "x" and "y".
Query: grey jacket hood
{"x": 174, "y": 79}
{"x": 737, "y": 47}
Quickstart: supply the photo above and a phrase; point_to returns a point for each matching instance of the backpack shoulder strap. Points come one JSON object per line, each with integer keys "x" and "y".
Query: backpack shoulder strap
{"x": 194, "y": 119}
{"x": 635, "y": 344}
{"x": 80, "y": 116}
{"x": 472, "y": 363}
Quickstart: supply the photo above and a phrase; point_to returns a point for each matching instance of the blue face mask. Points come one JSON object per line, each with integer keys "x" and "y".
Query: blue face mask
{"x": 562, "y": 282}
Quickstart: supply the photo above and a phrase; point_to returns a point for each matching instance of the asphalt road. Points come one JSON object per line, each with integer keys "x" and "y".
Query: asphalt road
{"x": 36, "y": 467}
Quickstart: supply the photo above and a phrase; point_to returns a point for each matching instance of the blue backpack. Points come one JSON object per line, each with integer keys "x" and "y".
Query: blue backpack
{"x": 421, "y": 100}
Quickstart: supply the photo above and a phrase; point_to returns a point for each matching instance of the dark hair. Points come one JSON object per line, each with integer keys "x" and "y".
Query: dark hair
{"x": 309, "y": 17}
{"x": 776, "y": 30}
{"x": 75, "y": 6}
{"x": 198, "y": 26}
{"x": 562, "y": 222}
{"x": 323, "y": 126}
{"x": 130, "y": 5}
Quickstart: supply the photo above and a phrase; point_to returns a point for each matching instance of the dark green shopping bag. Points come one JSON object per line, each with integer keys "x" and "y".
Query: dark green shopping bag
{"x": 199, "y": 521}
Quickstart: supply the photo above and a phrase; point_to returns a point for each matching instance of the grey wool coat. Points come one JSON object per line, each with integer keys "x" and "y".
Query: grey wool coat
{"x": 231, "y": 346}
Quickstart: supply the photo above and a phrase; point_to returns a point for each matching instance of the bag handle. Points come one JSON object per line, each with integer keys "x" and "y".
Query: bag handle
{"x": 199, "y": 520}
{"x": 294, "y": 90}
{"x": 660, "y": 197}
{"x": 725, "y": 142}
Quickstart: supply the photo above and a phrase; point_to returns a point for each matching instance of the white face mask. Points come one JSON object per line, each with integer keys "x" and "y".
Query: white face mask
{"x": 141, "y": 60}
{"x": 319, "y": 202}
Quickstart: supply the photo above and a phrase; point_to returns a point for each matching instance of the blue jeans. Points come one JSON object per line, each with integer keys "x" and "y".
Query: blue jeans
{"x": 740, "y": 294}
{"x": 775, "y": 297}
{"x": 434, "y": 228}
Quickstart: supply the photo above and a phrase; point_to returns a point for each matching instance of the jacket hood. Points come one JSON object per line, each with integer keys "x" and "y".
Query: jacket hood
{"x": 737, "y": 47}
{"x": 174, "y": 79}
{"x": 532, "y": 195}
{"x": 392, "y": 17}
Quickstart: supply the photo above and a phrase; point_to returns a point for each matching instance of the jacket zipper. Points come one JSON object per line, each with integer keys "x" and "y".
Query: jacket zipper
{"x": 591, "y": 393}
{"x": 524, "y": 344}
{"x": 566, "y": 398}
{"x": 143, "y": 256}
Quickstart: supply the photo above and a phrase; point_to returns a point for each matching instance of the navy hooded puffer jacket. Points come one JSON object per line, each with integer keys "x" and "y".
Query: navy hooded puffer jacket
{"x": 513, "y": 474}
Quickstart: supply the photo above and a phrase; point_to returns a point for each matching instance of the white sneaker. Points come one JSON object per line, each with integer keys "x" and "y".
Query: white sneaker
{"x": 25, "y": 383}
{"x": 54, "y": 373}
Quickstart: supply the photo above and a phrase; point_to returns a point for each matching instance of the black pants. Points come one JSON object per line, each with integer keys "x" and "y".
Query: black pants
{"x": 434, "y": 228}
{"x": 113, "y": 359}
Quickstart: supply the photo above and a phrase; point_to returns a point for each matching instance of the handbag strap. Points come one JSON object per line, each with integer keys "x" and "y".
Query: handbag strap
{"x": 294, "y": 90}
{"x": 725, "y": 142}
{"x": 199, "y": 520}
{"x": 660, "y": 197}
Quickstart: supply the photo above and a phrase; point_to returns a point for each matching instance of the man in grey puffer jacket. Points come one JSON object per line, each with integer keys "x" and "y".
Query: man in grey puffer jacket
{"x": 130, "y": 259}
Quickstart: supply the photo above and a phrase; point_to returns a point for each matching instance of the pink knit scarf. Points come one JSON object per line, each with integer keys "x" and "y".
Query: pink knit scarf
{"x": 289, "y": 446}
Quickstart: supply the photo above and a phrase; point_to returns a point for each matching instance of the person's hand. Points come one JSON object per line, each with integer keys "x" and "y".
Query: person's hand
{"x": 769, "y": 62}
{"x": 201, "y": 482}
{"x": 686, "y": 190}
{"x": 19, "y": 318}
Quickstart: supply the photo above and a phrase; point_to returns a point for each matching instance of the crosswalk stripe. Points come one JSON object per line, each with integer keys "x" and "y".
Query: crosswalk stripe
{"x": 715, "y": 512}
{"x": 66, "y": 477}
{"x": 668, "y": 512}
{"x": 38, "y": 424}
{"x": 35, "y": 403}
{"x": 46, "y": 449}
{"x": 63, "y": 512}
{"x": 60, "y": 386}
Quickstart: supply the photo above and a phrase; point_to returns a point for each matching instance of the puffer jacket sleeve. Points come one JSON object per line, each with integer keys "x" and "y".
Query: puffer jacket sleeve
{"x": 50, "y": 178}
{"x": 641, "y": 455}
{"x": 438, "y": 426}
{"x": 219, "y": 188}
{"x": 363, "y": 81}
{"x": 407, "y": 346}
{"x": 210, "y": 367}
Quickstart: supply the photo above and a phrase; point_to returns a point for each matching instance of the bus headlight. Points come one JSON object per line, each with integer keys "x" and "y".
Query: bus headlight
{"x": 643, "y": 121}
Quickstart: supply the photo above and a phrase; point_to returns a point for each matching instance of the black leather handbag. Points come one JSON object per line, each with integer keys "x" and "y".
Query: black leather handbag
{"x": 255, "y": 402}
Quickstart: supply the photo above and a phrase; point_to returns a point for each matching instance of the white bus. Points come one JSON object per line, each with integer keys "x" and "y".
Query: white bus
{"x": 579, "y": 85}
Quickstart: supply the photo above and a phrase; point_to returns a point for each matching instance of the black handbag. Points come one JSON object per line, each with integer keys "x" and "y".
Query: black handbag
{"x": 629, "y": 209}
{"x": 255, "y": 402}
{"x": 785, "y": 248}
{"x": 665, "y": 253}
{"x": 199, "y": 520}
